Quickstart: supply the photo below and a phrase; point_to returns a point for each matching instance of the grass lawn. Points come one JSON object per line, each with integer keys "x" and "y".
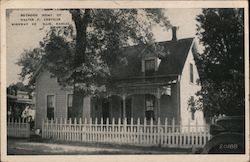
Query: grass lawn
{"x": 51, "y": 147}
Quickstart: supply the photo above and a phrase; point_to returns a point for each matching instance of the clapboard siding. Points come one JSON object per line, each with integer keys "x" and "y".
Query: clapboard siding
{"x": 47, "y": 85}
{"x": 188, "y": 89}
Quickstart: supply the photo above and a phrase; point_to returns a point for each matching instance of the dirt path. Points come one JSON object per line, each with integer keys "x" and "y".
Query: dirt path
{"x": 25, "y": 147}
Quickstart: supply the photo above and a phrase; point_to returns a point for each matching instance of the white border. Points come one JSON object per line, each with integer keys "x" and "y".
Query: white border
{"x": 119, "y": 4}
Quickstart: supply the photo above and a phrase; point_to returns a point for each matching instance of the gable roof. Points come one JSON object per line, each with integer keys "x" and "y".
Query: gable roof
{"x": 172, "y": 61}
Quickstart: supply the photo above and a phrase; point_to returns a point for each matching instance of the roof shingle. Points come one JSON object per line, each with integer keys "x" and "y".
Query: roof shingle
{"x": 175, "y": 54}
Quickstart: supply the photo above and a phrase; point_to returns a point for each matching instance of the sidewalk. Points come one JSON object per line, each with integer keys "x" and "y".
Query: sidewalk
{"x": 27, "y": 147}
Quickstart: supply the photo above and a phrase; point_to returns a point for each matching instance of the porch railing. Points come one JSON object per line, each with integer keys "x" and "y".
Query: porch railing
{"x": 143, "y": 133}
{"x": 18, "y": 128}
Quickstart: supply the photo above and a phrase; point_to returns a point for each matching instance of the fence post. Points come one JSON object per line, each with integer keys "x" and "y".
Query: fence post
{"x": 14, "y": 130}
{"x": 74, "y": 130}
{"x": 23, "y": 128}
{"x": 90, "y": 130}
{"x": 145, "y": 133}
{"x": 50, "y": 128}
{"x": 96, "y": 130}
{"x": 173, "y": 131}
{"x": 196, "y": 132}
{"x": 43, "y": 128}
{"x": 131, "y": 132}
{"x": 60, "y": 128}
{"x": 188, "y": 132}
{"x": 125, "y": 131}
{"x": 151, "y": 130}
{"x": 119, "y": 131}
{"x": 159, "y": 133}
{"x": 65, "y": 128}
{"x": 107, "y": 129}
{"x": 70, "y": 129}
{"x": 102, "y": 131}
{"x": 112, "y": 129}
{"x": 19, "y": 126}
{"x": 138, "y": 131}
{"x": 55, "y": 128}
{"x": 80, "y": 130}
{"x": 166, "y": 132}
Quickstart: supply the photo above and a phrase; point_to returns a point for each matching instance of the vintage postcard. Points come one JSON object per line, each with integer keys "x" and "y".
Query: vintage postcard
{"x": 124, "y": 80}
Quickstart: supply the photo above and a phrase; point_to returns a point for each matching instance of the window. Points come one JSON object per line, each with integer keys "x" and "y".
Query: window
{"x": 50, "y": 106}
{"x": 149, "y": 67}
{"x": 192, "y": 108}
{"x": 191, "y": 73}
{"x": 70, "y": 105}
{"x": 149, "y": 103}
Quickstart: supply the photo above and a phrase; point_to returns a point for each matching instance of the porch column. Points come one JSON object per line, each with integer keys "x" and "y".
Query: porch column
{"x": 124, "y": 106}
{"x": 158, "y": 96}
{"x": 86, "y": 112}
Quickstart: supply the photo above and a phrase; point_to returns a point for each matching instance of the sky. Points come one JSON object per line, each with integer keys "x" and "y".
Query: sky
{"x": 23, "y": 37}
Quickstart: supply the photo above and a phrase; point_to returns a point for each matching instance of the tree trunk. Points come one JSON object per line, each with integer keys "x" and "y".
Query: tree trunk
{"x": 81, "y": 24}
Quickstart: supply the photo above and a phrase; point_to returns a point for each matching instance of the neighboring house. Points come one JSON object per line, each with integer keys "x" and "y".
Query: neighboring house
{"x": 146, "y": 85}
{"x": 17, "y": 101}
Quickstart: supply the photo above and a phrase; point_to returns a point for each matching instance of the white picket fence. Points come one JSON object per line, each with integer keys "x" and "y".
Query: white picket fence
{"x": 135, "y": 133}
{"x": 18, "y": 128}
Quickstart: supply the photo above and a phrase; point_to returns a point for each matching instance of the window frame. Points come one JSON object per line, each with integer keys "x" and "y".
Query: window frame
{"x": 152, "y": 61}
{"x": 191, "y": 73}
{"x": 149, "y": 97}
{"x": 67, "y": 104}
{"x": 46, "y": 98}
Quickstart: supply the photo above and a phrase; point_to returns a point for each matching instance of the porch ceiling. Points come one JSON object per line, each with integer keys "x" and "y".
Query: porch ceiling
{"x": 156, "y": 89}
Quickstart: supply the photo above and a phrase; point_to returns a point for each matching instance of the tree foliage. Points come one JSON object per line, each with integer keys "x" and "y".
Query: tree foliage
{"x": 82, "y": 54}
{"x": 221, "y": 65}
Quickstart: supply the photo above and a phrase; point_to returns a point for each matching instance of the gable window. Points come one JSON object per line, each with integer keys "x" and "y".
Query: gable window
{"x": 50, "y": 106}
{"x": 149, "y": 105}
{"x": 149, "y": 67}
{"x": 191, "y": 69}
{"x": 70, "y": 105}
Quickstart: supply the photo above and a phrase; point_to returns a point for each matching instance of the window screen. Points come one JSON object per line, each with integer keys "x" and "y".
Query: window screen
{"x": 191, "y": 73}
{"x": 70, "y": 105}
{"x": 50, "y": 106}
{"x": 149, "y": 106}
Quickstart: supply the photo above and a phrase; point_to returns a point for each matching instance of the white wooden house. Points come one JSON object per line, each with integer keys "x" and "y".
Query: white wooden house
{"x": 148, "y": 85}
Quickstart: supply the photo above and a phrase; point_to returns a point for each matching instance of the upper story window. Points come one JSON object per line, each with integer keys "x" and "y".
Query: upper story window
{"x": 191, "y": 69}
{"x": 149, "y": 67}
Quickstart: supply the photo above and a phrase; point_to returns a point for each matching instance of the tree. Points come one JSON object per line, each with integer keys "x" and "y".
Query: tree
{"x": 19, "y": 86}
{"x": 221, "y": 65}
{"x": 81, "y": 55}
{"x": 29, "y": 61}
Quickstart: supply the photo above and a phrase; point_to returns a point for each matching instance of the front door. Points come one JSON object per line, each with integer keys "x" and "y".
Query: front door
{"x": 128, "y": 109}
{"x": 105, "y": 110}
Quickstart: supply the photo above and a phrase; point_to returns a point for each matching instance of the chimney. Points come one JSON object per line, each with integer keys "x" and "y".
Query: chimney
{"x": 174, "y": 29}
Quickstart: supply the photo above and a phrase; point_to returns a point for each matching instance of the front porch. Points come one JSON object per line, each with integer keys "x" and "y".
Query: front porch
{"x": 154, "y": 100}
